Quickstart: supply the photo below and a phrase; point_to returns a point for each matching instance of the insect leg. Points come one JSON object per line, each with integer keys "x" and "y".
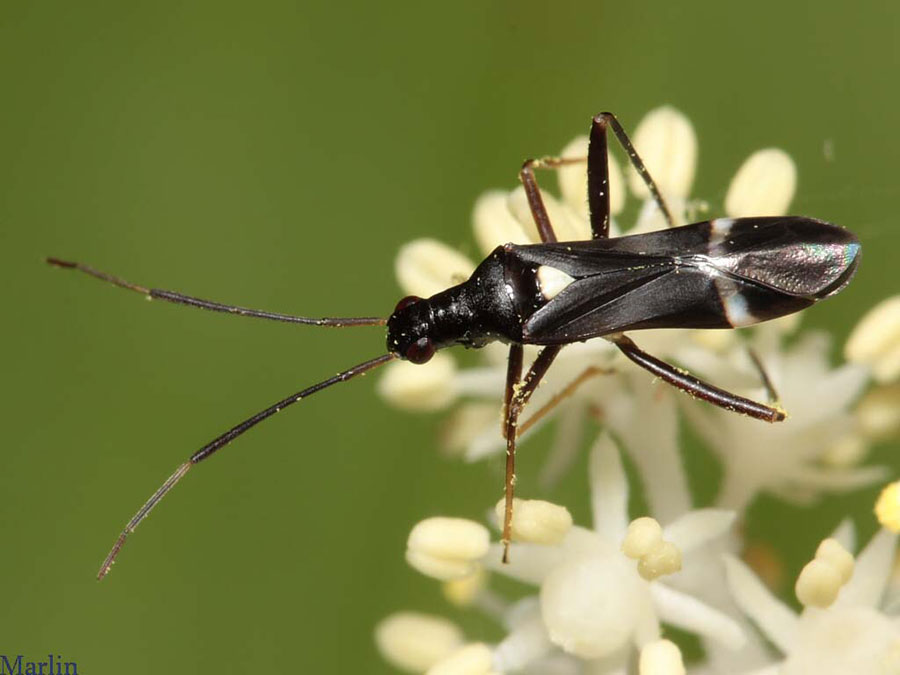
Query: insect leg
{"x": 533, "y": 193}
{"x": 598, "y": 178}
{"x": 694, "y": 386}
{"x": 764, "y": 376}
{"x": 513, "y": 377}
{"x": 517, "y": 395}
{"x": 563, "y": 394}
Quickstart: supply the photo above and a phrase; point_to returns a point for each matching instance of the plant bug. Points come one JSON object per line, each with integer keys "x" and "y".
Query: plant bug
{"x": 723, "y": 273}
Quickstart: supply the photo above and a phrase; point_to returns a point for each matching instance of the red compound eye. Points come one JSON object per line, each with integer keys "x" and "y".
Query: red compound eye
{"x": 406, "y": 302}
{"x": 420, "y": 351}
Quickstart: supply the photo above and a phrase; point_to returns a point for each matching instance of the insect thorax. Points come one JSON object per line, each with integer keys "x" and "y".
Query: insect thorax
{"x": 493, "y": 304}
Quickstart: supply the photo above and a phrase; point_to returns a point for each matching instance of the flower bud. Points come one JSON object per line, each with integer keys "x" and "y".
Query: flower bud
{"x": 426, "y": 266}
{"x": 447, "y": 548}
{"x": 642, "y": 537}
{"x": 462, "y": 592}
{"x": 818, "y": 584}
{"x": 887, "y": 508}
{"x": 536, "y": 521}
{"x": 878, "y": 413}
{"x": 831, "y": 551}
{"x": 661, "y": 657}
{"x": 663, "y": 559}
{"x": 473, "y": 659}
{"x": 414, "y": 642}
{"x": 419, "y": 387}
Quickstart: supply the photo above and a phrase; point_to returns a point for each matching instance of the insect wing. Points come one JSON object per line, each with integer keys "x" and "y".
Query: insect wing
{"x": 637, "y": 296}
{"x": 719, "y": 274}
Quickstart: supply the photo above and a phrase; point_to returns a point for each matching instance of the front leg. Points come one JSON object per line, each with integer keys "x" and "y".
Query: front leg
{"x": 598, "y": 179}
{"x": 598, "y": 173}
{"x": 533, "y": 192}
{"x": 517, "y": 395}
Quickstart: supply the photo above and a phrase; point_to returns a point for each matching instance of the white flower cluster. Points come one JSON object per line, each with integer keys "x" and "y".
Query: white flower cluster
{"x": 603, "y": 594}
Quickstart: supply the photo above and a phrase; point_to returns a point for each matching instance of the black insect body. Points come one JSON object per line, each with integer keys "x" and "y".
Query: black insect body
{"x": 724, "y": 273}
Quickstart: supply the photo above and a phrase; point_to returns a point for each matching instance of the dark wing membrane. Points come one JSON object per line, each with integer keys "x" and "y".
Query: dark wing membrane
{"x": 719, "y": 274}
{"x": 656, "y": 296}
{"x": 599, "y": 256}
{"x": 798, "y": 256}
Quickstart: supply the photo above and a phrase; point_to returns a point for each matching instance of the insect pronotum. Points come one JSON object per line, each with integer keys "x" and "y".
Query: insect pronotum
{"x": 722, "y": 273}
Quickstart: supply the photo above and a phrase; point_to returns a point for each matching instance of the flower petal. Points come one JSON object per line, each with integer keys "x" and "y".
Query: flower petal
{"x": 773, "y": 617}
{"x": 572, "y": 178}
{"x": 487, "y": 382}
{"x": 527, "y": 641}
{"x": 609, "y": 490}
{"x": 495, "y": 225}
{"x": 528, "y": 563}
{"x": 871, "y": 573}
{"x": 653, "y": 447}
{"x": 697, "y": 527}
{"x": 566, "y": 445}
{"x": 836, "y": 480}
{"x": 567, "y": 225}
{"x": 875, "y": 341}
{"x": 763, "y": 186}
{"x": 774, "y": 669}
{"x": 685, "y": 611}
{"x": 666, "y": 141}
{"x": 486, "y": 442}
{"x": 845, "y": 534}
{"x": 465, "y": 424}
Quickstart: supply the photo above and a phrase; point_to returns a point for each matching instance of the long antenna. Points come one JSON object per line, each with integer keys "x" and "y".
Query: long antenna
{"x": 181, "y": 299}
{"x": 223, "y": 440}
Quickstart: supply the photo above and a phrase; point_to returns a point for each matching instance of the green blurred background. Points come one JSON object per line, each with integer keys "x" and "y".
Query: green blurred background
{"x": 277, "y": 156}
